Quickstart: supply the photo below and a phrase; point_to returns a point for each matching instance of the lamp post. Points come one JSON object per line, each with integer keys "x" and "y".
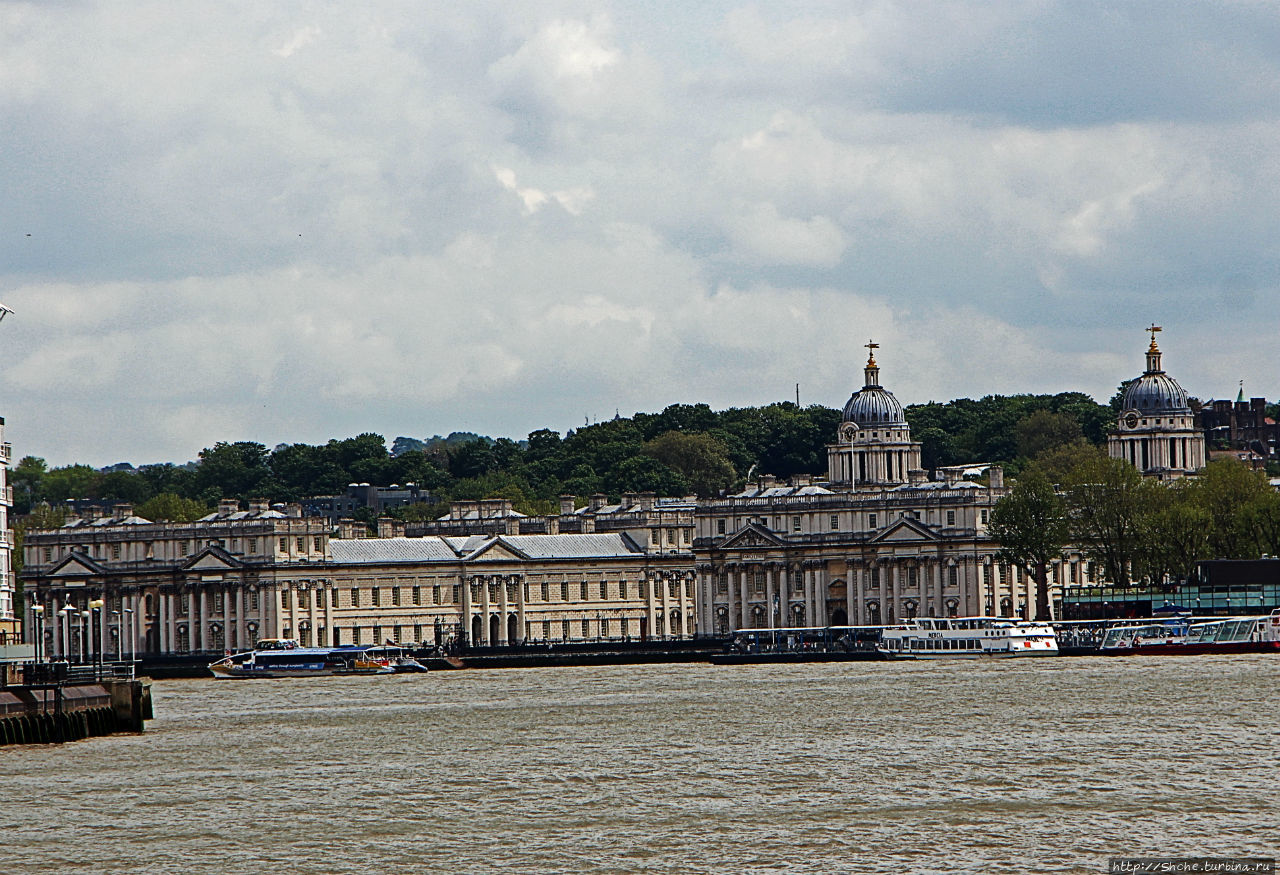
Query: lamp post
{"x": 67, "y": 641}
{"x": 119, "y": 635}
{"x": 38, "y": 611}
{"x": 96, "y": 613}
{"x": 132, "y": 634}
{"x": 84, "y": 636}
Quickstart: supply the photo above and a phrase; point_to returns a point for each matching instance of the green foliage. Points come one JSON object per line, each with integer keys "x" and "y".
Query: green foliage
{"x": 700, "y": 459}
{"x": 1030, "y": 523}
{"x": 169, "y": 508}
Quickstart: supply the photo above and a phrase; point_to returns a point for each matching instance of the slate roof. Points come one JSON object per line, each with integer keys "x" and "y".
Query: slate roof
{"x": 378, "y": 550}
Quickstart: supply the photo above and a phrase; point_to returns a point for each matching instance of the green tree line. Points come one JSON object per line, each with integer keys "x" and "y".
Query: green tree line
{"x": 686, "y": 449}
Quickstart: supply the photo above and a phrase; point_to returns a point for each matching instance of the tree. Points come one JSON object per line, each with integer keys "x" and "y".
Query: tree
{"x": 237, "y": 470}
{"x": 699, "y": 458}
{"x": 1030, "y": 523}
{"x": 1225, "y": 488}
{"x": 1174, "y": 532}
{"x": 1105, "y": 499}
{"x": 27, "y": 479}
{"x": 170, "y": 508}
{"x": 1044, "y": 430}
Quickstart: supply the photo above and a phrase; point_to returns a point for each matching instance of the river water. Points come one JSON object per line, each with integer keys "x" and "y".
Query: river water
{"x": 1023, "y": 765}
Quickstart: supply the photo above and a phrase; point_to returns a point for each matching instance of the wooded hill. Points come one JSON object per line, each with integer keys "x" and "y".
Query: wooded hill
{"x": 686, "y": 449}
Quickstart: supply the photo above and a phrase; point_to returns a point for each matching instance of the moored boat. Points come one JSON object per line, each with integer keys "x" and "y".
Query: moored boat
{"x": 1186, "y": 636}
{"x": 285, "y": 658}
{"x": 967, "y": 638}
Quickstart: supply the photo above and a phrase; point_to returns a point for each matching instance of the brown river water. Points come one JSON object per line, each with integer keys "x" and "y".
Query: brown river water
{"x": 1048, "y": 765}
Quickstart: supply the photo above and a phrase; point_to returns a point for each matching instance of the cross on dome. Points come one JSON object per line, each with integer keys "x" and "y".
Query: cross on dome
{"x": 871, "y": 359}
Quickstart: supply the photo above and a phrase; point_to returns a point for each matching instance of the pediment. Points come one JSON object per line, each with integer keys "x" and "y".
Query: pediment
{"x": 77, "y": 565}
{"x": 497, "y": 551}
{"x": 905, "y": 529}
{"x": 212, "y": 559}
{"x": 754, "y": 535}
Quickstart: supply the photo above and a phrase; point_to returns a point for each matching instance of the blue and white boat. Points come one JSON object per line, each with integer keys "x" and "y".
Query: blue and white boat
{"x": 284, "y": 658}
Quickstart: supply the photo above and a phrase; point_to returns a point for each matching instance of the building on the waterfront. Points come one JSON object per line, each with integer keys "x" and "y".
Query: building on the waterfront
{"x": 658, "y": 525}
{"x": 1223, "y": 587}
{"x": 876, "y": 543}
{"x": 10, "y": 630}
{"x": 1156, "y": 430}
{"x": 236, "y": 576}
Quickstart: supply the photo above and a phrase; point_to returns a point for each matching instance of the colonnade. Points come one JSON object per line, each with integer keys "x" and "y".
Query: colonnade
{"x": 877, "y": 591}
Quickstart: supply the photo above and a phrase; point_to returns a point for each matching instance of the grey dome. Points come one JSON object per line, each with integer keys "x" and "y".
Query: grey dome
{"x": 874, "y": 405}
{"x": 1156, "y": 393}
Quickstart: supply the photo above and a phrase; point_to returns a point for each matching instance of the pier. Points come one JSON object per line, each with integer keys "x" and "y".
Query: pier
{"x": 60, "y": 702}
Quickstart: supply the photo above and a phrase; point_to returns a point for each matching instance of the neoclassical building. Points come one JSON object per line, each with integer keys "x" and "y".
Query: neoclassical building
{"x": 236, "y": 576}
{"x": 8, "y": 619}
{"x": 876, "y": 543}
{"x": 1156, "y": 430}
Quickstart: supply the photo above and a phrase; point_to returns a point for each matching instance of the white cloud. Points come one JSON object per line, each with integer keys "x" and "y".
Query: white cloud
{"x": 245, "y": 223}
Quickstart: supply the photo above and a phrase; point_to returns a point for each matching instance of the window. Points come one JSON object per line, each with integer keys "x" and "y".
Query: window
{"x": 355, "y": 597}
{"x": 457, "y": 592}
{"x": 564, "y": 594}
{"x": 48, "y": 554}
{"x": 315, "y": 544}
{"x": 722, "y": 583}
{"x": 586, "y": 628}
{"x": 604, "y": 589}
{"x": 320, "y": 598}
{"x": 671, "y": 536}
{"x": 395, "y": 596}
{"x": 377, "y": 601}
{"x": 951, "y": 517}
{"x": 835, "y": 522}
{"x": 377, "y": 634}
{"x": 984, "y": 516}
{"x": 436, "y": 595}
{"x": 253, "y": 545}
{"x": 217, "y": 602}
{"x": 184, "y": 547}
{"x": 795, "y": 524}
{"x": 719, "y": 527}
{"x": 875, "y": 578}
{"x": 546, "y": 628}
{"x": 284, "y": 545}
{"x": 304, "y": 600}
{"x": 584, "y": 591}
{"x": 871, "y": 522}
{"x": 355, "y": 634}
{"x": 115, "y": 551}
{"x": 284, "y": 599}
{"x": 622, "y": 589}
{"x": 953, "y": 576}
{"x": 253, "y": 600}
{"x": 564, "y": 630}
{"x": 644, "y": 589}
{"x": 546, "y": 597}
{"x": 417, "y": 595}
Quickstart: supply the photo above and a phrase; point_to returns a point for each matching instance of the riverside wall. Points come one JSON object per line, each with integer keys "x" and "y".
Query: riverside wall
{"x": 54, "y": 714}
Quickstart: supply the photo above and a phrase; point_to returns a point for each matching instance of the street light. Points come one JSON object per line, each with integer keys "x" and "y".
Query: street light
{"x": 96, "y": 607}
{"x": 132, "y": 633}
{"x": 67, "y": 641}
{"x": 119, "y": 635}
{"x": 84, "y": 636}
{"x": 38, "y": 610}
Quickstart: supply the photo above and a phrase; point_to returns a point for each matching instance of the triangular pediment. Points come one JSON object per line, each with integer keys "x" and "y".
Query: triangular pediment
{"x": 498, "y": 551}
{"x": 77, "y": 565}
{"x": 905, "y": 529}
{"x": 212, "y": 559}
{"x": 754, "y": 535}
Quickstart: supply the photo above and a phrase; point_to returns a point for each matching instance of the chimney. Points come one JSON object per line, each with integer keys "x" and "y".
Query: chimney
{"x": 347, "y": 529}
{"x": 951, "y": 475}
{"x": 597, "y": 501}
{"x": 553, "y": 524}
{"x": 389, "y": 527}
{"x": 647, "y": 501}
{"x": 995, "y": 477}
{"x": 512, "y": 525}
{"x": 916, "y": 477}
{"x": 293, "y": 510}
{"x": 588, "y": 525}
{"x": 227, "y": 505}
{"x": 258, "y": 505}
{"x": 566, "y": 505}
{"x": 123, "y": 510}
{"x": 628, "y": 499}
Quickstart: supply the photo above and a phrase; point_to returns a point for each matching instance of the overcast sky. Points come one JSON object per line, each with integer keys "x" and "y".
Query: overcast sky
{"x": 288, "y": 222}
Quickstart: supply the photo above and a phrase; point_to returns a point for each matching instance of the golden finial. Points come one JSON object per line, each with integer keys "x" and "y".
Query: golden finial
{"x": 871, "y": 359}
{"x": 1153, "y": 328}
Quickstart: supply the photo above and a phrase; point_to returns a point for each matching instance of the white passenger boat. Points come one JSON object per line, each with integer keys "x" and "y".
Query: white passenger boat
{"x": 284, "y": 658}
{"x": 967, "y": 638}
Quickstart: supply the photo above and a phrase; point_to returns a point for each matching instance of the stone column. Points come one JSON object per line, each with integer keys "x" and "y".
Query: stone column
{"x": 504, "y": 608}
{"x": 686, "y": 609}
{"x": 771, "y": 595}
{"x": 651, "y": 583}
{"x": 861, "y": 602}
{"x": 810, "y": 596}
{"x": 331, "y": 596}
{"x": 665, "y": 582}
{"x": 850, "y": 570}
{"x": 521, "y": 627}
{"x": 941, "y": 606}
{"x": 896, "y": 578}
{"x": 465, "y": 589}
{"x": 485, "y": 610}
